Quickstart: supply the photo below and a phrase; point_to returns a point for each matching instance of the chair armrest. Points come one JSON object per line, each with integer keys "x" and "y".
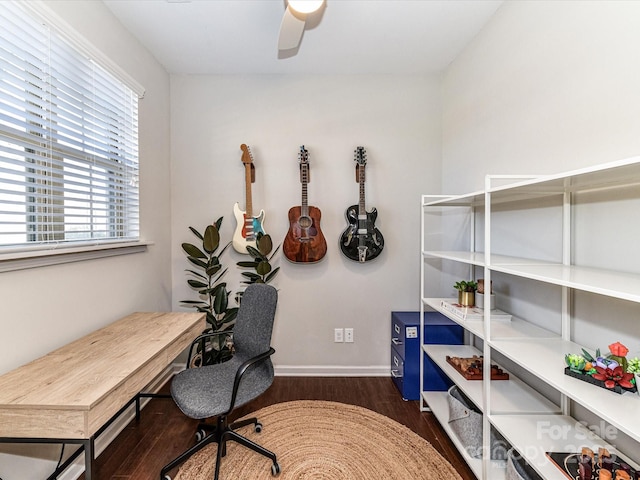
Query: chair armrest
{"x": 241, "y": 371}
{"x": 200, "y": 339}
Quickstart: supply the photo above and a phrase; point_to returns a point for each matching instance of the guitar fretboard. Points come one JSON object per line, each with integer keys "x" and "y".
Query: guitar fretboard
{"x": 362, "y": 212}
{"x": 247, "y": 181}
{"x": 304, "y": 178}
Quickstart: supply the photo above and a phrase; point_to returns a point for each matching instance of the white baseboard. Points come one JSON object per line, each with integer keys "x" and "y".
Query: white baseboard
{"x": 321, "y": 370}
{"x": 331, "y": 371}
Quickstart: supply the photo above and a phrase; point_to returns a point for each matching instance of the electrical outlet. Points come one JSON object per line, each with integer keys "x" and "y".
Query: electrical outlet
{"x": 348, "y": 335}
{"x": 338, "y": 335}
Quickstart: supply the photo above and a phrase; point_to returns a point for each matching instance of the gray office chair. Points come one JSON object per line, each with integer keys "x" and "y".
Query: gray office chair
{"x": 216, "y": 390}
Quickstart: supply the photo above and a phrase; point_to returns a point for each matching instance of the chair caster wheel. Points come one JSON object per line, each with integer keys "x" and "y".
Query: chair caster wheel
{"x": 275, "y": 469}
{"x": 258, "y": 427}
{"x": 200, "y": 434}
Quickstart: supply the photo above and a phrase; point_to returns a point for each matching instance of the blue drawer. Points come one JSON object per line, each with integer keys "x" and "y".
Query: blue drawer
{"x": 406, "y": 376}
{"x": 405, "y": 351}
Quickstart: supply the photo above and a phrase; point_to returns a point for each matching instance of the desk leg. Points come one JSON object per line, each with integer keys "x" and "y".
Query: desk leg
{"x": 89, "y": 455}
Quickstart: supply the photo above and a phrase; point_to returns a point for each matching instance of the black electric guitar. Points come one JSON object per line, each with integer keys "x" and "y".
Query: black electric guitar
{"x": 304, "y": 242}
{"x": 361, "y": 241}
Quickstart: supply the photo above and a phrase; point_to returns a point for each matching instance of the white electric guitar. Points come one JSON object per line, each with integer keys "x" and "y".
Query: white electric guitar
{"x": 247, "y": 226}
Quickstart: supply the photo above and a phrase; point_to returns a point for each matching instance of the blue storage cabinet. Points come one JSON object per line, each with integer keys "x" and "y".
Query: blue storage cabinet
{"x": 406, "y": 350}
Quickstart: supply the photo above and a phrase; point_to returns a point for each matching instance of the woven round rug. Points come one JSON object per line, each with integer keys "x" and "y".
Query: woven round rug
{"x": 324, "y": 440}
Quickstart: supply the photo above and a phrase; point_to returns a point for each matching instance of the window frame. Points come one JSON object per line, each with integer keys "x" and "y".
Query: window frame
{"x": 28, "y": 256}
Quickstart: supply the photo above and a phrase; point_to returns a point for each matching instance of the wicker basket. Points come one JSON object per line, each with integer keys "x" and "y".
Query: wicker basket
{"x": 518, "y": 469}
{"x": 465, "y": 419}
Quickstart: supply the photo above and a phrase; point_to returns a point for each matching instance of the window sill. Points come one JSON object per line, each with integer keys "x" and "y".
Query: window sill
{"x": 25, "y": 259}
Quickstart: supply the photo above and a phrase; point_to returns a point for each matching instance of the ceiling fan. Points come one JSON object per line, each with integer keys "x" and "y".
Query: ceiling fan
{"x": 294, "y": 20}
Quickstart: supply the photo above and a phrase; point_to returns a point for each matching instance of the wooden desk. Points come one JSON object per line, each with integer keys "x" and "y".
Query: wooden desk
{"x": 70, "y": 394}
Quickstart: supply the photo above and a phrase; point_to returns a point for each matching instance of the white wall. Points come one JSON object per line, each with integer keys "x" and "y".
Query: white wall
{"x": 546, "y": 87}
{"x": 395, "y": 118}
{"x": 561, "y": 97}
{"x": 45, "y": 308}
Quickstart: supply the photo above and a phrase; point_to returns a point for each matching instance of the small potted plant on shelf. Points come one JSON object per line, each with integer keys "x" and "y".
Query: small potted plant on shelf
{"x": 466, "y": 292}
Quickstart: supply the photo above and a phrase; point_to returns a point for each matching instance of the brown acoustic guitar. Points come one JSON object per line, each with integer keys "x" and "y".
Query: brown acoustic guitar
{"x": 305, "y": 242}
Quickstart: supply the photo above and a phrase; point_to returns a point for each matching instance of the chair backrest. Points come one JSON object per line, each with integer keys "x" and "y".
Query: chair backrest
{"x": 254, "y": 323}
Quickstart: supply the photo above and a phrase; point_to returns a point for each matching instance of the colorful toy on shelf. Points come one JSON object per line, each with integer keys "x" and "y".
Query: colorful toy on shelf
{"x": 611, "y": 372}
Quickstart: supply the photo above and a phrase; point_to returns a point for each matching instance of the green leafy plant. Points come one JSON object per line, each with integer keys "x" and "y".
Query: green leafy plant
{"x": 464, "y": 286}
{"x": 575, "y": 362}
{"x": 633, "y": 365}
{"x": 262, "y": 272}
{"x": 591, "y": 358}
{"x": 212, "y": 292}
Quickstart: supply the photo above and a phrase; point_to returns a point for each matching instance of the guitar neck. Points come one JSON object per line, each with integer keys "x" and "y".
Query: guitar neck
{"x": 247, "y": 180}
{"x": 304, "y": 178}
{"x": 361, "y": 207}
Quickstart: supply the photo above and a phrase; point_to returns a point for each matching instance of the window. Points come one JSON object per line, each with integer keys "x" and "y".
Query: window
{"x": 68, "y": 142}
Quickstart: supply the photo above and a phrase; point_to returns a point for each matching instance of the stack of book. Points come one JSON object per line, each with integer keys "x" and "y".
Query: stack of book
{"x": 472, "y": 313}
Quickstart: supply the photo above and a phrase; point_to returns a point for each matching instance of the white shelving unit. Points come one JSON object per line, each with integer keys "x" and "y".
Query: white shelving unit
{"x": 533, "y": 419}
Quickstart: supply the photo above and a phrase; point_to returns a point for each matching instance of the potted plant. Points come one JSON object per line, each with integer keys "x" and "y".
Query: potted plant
{"x": 213, "y": 296}
{"x": 466, "y": 292}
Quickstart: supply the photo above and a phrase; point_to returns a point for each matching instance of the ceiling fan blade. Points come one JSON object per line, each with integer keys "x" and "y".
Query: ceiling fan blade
{"x": 291, "y": 30}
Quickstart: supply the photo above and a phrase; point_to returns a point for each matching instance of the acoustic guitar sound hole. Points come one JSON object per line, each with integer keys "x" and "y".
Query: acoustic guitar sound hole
{"x": 305, "y": 222}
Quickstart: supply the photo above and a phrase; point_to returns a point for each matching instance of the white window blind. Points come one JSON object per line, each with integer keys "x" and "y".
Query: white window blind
{"x": 68, "y": 142}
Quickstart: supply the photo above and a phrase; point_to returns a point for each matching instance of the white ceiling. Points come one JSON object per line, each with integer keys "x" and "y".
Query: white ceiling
{"x": 346, "y": 37}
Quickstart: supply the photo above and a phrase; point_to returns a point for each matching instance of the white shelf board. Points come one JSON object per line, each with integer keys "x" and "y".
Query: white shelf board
{"x": 611, "y": 283}
{"x": 544, "y": 358}
{"x": 610, "y": 175}
{"x": 507, "y": 396}
{"x": 534, "y": 435}
{"x": 605, "y": 176}
{"x": 497, "y": 261}
{"x": 604, "y": 282}
{"x": 472, "y": 258}
{"x": 516, "y": 328}
{"x": 437, "y": 402}
{"x": 467, "y": 200}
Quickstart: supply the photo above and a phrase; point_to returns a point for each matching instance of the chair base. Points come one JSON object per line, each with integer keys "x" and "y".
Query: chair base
{"x": 220, "y": 434}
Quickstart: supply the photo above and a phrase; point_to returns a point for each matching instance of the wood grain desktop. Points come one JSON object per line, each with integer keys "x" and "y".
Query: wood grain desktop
{"x": 72, "y": 392}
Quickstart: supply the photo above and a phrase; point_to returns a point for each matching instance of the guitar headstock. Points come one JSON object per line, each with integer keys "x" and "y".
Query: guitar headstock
{"x": 246, "y": 154}
{"x": 360, "y": 156}
{"x": 303, "y": 155}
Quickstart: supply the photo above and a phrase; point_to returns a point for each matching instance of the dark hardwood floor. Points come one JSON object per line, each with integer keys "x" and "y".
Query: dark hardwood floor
{"x": 163, "y": 432}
